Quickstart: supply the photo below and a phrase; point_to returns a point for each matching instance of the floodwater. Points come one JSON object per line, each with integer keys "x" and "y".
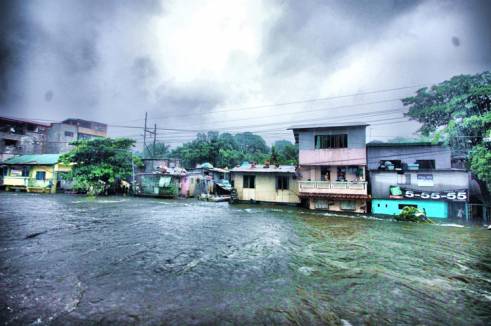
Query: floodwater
{"x": 67, "y": 259}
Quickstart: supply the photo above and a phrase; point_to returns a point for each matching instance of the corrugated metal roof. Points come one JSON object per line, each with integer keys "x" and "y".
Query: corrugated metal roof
{"x": 329, "y": 125}
{"x": 36, "y": 159}
{"x": 37, "y": 123}
{"x": 421, "y": 143}
{"x": 259, "y": 168}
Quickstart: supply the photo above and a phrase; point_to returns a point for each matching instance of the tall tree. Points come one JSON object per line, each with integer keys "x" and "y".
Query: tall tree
{"x": 459, "y": 111}
{"x": 162, "y": 150}
{"x": 99, "y": 162}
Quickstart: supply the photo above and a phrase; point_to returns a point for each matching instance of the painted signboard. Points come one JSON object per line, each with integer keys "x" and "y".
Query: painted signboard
{"x": 452, "y": 195}
{"x": 425, "y": 180}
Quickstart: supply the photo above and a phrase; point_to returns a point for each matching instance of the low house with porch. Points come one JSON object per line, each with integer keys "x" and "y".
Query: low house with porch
{"x": 34, "y": 173}
{"x": 265, "y": 183}
{"x": 332, "y": 166}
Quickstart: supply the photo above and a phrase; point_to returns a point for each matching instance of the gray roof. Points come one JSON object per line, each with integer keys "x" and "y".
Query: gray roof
{"x": 259, "y": 168}
{"x": 407, "y": 144}
{"x": 329, "y": 125}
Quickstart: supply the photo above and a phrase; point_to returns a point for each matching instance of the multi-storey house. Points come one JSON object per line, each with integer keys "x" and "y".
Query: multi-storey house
{"x": 332, "y": 166}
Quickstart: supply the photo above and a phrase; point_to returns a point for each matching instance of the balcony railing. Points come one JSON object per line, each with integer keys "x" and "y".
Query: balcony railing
{"x": 33, "y": 183}
{"x": 27, "y": 182}
{"x": 15, "y": 181}
{"x": 334, "y": 187}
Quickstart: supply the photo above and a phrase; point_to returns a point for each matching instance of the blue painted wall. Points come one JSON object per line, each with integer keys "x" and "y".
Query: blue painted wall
{"x": 433, "y": 208}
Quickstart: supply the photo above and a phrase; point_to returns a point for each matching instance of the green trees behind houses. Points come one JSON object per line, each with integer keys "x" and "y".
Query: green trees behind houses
{"x": 458, "y": 111}
{"x": 97, "y": 163}
{"x": 227, "y": 150}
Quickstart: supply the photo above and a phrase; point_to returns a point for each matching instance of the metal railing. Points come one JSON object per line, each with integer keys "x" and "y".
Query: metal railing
{"x": 33, "y": 183}
{"x": 324, "y": 185}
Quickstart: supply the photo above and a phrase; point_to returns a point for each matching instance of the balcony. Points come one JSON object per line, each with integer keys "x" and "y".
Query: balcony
{"x": 26, "y": 183}
{"x": 333, "y": 188}
{"x": 15, "y": 181}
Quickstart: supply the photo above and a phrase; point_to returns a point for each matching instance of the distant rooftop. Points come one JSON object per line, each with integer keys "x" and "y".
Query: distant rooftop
{"x": 329, "y": 125}
{"x": 37, "y": 123}
{"x": 36, "y": 159}
{"x": 407, "y": 144}
{"x": 261, "y": 168}
{"x": 69, "y": 120}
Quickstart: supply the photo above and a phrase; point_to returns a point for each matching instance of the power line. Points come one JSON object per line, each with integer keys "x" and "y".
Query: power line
{"x": 319, "y": 99}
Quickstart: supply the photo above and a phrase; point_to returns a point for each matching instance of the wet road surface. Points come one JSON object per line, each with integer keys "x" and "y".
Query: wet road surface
{"x": 68, "y": 259}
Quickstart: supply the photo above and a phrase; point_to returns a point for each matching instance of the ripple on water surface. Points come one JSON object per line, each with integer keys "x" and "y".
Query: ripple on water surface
{"x": 70, "y": 259}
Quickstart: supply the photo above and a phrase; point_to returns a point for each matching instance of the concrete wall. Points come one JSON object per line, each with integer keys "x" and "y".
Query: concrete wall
{"x": 433, "y": 209}
{"x": 265, "y": 190}
{"x": 28, "y": 138}
{"x": 380, "y": 181}
{"x": 409, "y": 154}
{"x": 58, "y": 141}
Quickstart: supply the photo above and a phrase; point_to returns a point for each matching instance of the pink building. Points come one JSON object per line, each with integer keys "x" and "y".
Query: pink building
{"x": 332, "y": 165}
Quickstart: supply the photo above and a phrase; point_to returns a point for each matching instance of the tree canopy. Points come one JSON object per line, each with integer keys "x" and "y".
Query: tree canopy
{"x": 99, "y": 162}
{"x": 227, "y": 150}
{"x": 458, "y": 111}
{"x": 161, "y": 150}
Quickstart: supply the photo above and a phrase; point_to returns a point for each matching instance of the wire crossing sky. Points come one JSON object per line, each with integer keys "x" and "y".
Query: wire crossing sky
{"x": 233, "y": 65}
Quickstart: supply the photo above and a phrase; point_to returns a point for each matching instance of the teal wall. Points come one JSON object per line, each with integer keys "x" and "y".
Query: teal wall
{"x": 435, "y": 209}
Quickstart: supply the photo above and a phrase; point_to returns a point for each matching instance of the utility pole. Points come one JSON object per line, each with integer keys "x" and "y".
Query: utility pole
{"x": 154, "y": 132}
{"x": 154, "y": 139}
{"x": 145, "y": 135}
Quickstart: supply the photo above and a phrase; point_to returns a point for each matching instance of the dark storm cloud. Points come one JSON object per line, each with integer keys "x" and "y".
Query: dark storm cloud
{"x": 114, "y": 60}
{"x": 13, "y": 43}
{"x": 54, "y": 48}
{"x": 313, "y": 31}
{"x": 189, "y": 99}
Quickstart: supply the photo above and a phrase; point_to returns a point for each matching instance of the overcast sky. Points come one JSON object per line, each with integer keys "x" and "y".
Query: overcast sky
{"x": 218, "y": 64}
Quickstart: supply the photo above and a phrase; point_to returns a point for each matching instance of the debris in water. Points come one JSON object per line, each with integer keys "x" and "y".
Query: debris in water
{"x": 33, "y": 235}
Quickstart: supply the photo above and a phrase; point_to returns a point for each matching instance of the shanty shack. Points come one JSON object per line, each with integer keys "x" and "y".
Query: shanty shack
{"x": 164, "y": 183}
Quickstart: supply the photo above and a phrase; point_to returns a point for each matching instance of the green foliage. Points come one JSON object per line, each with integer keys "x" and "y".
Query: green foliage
{"x": 161, "y": 151}
{"x": 227, "y": 150}
{"x": 98, "y": 162}
{"x": 224, "y": 150}
{"x": 462, "y": 95}
{"x": 412, "y": 214}
{"x": 274, "y": 160}
{"x": 287, "y": 152}
{"x": 459, "y": 112}
{"x": 481, "y": 162}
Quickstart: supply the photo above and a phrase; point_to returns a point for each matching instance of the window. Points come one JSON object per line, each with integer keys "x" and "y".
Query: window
{"x": 25, "y": 171}
{"x": 348, "y": 205}
{"x": 10, "y": 142}
{"x": 426, "y": 164}
{"x": 325, "y": 173}
{"x": 249, "y": 181}
{"x": 282, "y": 182}
{"x": 401, "y": 206}
{"x": 331, "y": 141}
{"x": 403, "y": 179}
{"x": 68, "y": 134}
{"x": 40, "y": 175}
{"x": 341, "y": 173}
